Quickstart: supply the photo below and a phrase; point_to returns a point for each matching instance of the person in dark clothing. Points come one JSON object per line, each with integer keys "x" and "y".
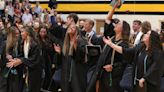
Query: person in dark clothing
{"x": 59, "y": 31}
{"x": 147, "y": 57}
{"x": 110, "y": 22}
{"x": 11, "y": 49}
{"x": 31, "y": 59}
{"x": 2, "y": 35}
{"x": 73, "y": 67}
{"x": 47, "y": 51}
{"x": 90, "y": 34}
{"x": 113, "y": 69}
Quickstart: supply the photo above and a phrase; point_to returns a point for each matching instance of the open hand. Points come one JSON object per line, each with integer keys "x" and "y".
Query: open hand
{"x": 107, "y": 40}
{"x": 57, "y": 48}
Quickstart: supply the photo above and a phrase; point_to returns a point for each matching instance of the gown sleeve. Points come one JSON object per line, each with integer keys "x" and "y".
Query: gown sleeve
{"x": 33, "y": 60}
{"x": 128, "y": 54}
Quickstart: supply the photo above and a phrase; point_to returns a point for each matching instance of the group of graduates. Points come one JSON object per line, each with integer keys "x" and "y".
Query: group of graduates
{"x": 52, "y": 55}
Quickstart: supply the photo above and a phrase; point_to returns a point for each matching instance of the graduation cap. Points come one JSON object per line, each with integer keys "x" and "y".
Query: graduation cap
{"x": 94, "y": 50}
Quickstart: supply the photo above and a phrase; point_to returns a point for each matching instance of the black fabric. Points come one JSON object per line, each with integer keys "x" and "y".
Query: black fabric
{"x": 109, "y": 30}
{"x": 154, "y": 66}
{"x": 103, "y": 76}
{"x": 34, "y": 65}
{"x": 74, "y": 70}
{"x": 127, "y": 79}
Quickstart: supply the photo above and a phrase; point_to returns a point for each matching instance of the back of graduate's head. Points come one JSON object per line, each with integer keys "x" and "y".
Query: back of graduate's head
{"x": 145, "y": 27}
{"x": 73, "y": 17}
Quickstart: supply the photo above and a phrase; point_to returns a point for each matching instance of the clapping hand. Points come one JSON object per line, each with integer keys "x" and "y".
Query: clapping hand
{"x": 57, "y": 48}
{"x": 14, "y": 62}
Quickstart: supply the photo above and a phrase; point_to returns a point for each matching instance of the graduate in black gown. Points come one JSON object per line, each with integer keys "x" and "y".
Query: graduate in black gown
{"x": 111, "y": 72}
{"x": 47, "y": 52}
{"x": 31, "y": 60}
{"x": 74, "y": 68}
{"x": 59, "y": 31}
{"x": 12, "y": 49}
{"x": 147, "y": 57}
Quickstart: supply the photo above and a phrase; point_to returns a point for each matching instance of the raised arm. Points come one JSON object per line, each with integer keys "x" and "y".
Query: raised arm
{"x": 110, "y": 13}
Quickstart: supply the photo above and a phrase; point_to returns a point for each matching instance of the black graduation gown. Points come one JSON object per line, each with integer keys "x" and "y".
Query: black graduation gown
{"x": 15, "y": 75}
{"x": 154, "y": 67}
{"x": 47, "y": 58}
{"x": 74, "y": 70}
{"x": 34, "y": 65}
{"x": 107, "y": 85}
{"x": 109, "y": 29}
{"x": 58, "y": 31}
{"x": 103, "y": 59}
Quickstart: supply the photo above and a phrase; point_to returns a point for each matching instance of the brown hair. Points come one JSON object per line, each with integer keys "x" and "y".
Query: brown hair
{"x": 137, "y": 21}
{"x": 74, "y": 17}
{"x": 91, "y": 22}
{"x": 155, "y": 43}
{"x": 146, "y": 26}
{"x": 67, "y": 48}
{"x": 125, "y": 31}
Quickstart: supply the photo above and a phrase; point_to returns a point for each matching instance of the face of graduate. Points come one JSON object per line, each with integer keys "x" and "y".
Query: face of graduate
{"x": 146, "y": 38}
{"x": 24, "y": 34}
{"x": 87, "y": 26}
{"x": 118, "y": 27}
{"x": 72, "y": 29}
{"x": 43, "y": 32}
{"x": 69, "y": 21}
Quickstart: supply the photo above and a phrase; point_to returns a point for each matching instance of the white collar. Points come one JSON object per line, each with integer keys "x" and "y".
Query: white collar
{"x": 90, "y": 33}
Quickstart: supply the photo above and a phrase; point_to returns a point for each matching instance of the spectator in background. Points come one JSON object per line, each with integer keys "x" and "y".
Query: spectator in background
{"x": 38, "y": 9}
{"x": 162, "y": 38}
{"x": 2, "y": 35}
{"x": 10, "y": 12}
{"x": 2, "y": 7}
{"x": 136, "y": 37}
{"x": 17, "y": 10}
{"x": 27, "y": 17}
{"x": 145, "y": 27}
{"x": 81, "y": 24}
{"x": 27, "y": 4}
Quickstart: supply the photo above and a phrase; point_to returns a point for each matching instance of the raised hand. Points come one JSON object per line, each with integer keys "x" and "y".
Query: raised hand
{"x": 107, "y": 40}
{"x": 57, "y": 48}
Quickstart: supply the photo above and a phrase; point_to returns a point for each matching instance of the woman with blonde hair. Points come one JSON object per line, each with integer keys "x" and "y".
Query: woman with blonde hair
{"x": 11, "y": 50}
{"x": 74, "y": 68}
{"x": 30, "y": 59}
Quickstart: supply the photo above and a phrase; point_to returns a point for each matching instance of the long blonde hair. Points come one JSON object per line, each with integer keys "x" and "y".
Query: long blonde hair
{"x": 67, "y": 46}
{"x": 11, "y": 39}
